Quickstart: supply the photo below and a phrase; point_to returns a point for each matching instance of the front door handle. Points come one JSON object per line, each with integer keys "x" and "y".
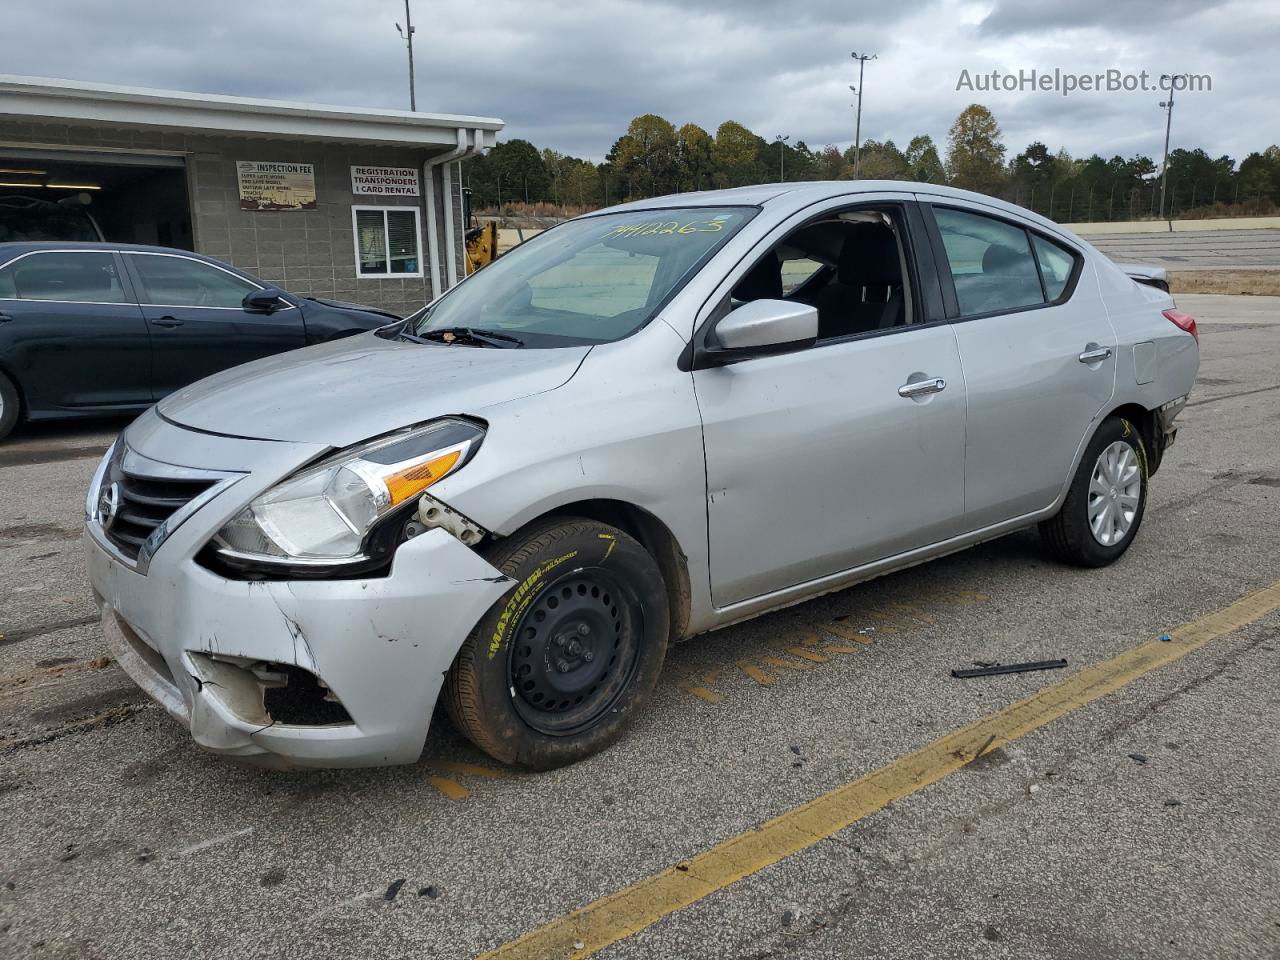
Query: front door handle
{"x": 1095, "y": 354}
{"x": 5, "y": 317}
{"x": 921, "y": 388}
{"x": 167, "y": 321}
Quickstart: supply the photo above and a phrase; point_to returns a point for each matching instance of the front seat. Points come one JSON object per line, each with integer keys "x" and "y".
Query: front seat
{"x": 867, "y": 294}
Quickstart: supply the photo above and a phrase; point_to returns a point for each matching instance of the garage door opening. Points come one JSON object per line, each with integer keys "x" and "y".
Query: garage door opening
{"x": 58, "y": 195}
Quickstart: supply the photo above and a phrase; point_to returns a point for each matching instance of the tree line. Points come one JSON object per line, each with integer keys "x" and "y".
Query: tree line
{"x": 654, "y": 157}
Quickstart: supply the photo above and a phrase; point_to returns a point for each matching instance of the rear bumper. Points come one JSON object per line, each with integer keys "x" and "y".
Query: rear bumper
{"x": 193, "y": 641}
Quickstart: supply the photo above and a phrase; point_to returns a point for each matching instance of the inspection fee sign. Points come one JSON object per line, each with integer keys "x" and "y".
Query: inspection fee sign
{"x": 385, "y": 181}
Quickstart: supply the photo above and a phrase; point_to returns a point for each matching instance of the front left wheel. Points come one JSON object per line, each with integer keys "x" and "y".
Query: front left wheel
{"x": 555, "y": 671}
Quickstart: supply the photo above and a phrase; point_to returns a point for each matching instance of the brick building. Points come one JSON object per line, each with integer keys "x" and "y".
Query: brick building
{"x": 360, "y": 205}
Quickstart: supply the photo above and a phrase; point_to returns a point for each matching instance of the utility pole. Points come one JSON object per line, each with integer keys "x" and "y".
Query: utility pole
{"x": 1167, "y": 106}
{"x": 857, "y": 136}
{"x": 780, "y": 140}
{"x": 407, "y": 32}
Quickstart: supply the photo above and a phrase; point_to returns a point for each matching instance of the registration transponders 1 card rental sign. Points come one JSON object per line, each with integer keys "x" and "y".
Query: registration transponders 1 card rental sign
{"x": 385, "y": 181}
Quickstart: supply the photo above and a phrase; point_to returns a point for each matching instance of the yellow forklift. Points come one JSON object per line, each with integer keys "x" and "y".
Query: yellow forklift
{"x": 481, "y": 239}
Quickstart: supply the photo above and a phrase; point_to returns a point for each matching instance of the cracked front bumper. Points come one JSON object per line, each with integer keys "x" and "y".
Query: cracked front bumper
{"x": 382, "y": 645}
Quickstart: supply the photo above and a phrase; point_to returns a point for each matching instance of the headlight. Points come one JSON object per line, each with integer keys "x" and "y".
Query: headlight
{"x": 323, "y": 514}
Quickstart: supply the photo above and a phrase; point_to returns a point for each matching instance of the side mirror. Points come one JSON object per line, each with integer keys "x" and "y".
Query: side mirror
{"x": 267, "y": 300}
{"x": 761, "y": 327}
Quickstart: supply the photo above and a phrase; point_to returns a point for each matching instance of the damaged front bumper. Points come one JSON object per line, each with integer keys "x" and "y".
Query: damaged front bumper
{"x": 214, "y": 651}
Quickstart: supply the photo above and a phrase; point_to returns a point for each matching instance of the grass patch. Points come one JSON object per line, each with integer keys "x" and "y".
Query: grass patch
{"x": 1259, "y": 283}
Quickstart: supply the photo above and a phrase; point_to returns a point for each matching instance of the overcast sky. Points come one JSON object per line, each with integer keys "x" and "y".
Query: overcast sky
{"x": 570, "y": 76}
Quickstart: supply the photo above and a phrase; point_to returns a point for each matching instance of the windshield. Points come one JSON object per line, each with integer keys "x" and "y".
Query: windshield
{"x": 587, "y": 281}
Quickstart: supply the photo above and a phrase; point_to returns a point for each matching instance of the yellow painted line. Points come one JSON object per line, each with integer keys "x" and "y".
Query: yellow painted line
{"x": 804, "y": 654}
{"x": 811, "y": 638}
{"x": 470, "y": 769}
{"x": 630, "y": 910}
{"x": 702, "y": 693}
{"x": 754, "y": 672}
{"x": 850, "y": 633}
{"x": 450, "y": 788}
{"x": 840, "y": 648}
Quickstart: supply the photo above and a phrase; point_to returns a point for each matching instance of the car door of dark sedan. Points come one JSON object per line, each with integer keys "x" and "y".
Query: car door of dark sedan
{"x": 198, "y": 324}
{"x": 71, "y": 335}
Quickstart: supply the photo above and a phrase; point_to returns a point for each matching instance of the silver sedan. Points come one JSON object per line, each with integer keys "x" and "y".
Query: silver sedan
{"x": 644, "y": 424}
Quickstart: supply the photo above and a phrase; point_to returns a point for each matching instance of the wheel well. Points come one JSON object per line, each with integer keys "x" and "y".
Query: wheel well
{"x": 655, "y": 537}
{"x": 1148, "y": 425}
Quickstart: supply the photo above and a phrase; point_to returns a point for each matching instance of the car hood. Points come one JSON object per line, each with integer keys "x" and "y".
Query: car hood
{"x": 350, "y": 390}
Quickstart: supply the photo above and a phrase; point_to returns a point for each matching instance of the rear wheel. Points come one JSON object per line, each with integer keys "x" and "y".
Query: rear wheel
{"x": 555, "y": 671}
{"x": 1107, "y": 499}
{"x": 9, "y": 406}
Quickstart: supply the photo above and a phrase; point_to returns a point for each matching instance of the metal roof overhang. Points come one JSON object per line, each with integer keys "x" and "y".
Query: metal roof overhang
{"x": 38, "y": 99}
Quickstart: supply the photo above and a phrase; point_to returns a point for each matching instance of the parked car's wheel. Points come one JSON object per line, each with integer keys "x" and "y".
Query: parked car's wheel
{"x": 9, "y": 406}
{"x": 1103, "y": 509}
{"x": 555, "y": 671}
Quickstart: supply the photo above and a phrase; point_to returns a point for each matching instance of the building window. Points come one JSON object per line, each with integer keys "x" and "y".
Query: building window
{"x": 388, "y": 241}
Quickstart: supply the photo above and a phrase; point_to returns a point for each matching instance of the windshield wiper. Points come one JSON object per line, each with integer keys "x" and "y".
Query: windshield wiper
{"x": 489, "y": 338}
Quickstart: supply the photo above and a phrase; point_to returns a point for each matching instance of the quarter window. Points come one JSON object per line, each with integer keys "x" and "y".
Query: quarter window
{"x": 388, "y": 241}
{"x": 66, "y": 276}
{"x": 181, "y": 282}
{"x": 1056, "y": 264}
{"x": 991, "y": 263}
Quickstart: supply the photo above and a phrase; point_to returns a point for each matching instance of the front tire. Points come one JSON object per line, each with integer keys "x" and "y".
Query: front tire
{"x": 9, "y": 406}
{"x": 555, "y": 671}
{"x": 1105, "y": 504}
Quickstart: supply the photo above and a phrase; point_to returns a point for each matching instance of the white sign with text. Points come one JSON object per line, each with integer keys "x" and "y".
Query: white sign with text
{"x": 385, "y": 181}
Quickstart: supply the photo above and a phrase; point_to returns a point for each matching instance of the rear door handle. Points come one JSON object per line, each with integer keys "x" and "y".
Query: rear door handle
{"x": 5, "y": 317}
{"x": 1095, "y": 355}
{"x": 921, "y": 388}
{"x": 167, "y": 321}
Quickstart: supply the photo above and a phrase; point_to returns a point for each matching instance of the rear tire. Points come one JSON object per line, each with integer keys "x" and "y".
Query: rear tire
{"x": 557, "y": 668}
{"x": 1105, "y": 504}
{"x": 10, "y": 406}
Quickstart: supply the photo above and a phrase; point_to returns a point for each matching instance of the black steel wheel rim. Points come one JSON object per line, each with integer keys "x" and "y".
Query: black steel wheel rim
{"x": 575, "y": 651}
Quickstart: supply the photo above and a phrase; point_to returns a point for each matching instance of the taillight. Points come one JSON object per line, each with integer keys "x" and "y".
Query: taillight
{"x": 1183, "y": 321}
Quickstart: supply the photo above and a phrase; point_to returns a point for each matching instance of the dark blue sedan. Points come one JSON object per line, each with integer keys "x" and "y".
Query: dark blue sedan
{"x": 93, "y": 329}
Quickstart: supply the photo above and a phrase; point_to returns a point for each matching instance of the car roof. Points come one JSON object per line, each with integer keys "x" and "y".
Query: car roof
{"x": 801, "y": 193}
{"x": 33, "y": 245}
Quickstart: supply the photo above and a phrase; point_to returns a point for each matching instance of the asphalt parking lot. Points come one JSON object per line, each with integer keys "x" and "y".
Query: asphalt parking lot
{"x": 1195, "y": 249}
{"x": 1134, "y": 815}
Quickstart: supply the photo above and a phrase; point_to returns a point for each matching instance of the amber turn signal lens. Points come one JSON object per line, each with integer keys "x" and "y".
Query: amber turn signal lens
{"x": 411, "y": 481}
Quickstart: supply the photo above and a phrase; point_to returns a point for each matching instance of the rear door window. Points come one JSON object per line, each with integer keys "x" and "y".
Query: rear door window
{"x": 169, "y": 281}
{"x": 68, "y": 276}
{"x": 991, "y": 262}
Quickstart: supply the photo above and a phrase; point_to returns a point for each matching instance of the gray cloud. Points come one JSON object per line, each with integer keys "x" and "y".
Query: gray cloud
{"x": 571, "y": 76}
{"x": 1037, "y": 16}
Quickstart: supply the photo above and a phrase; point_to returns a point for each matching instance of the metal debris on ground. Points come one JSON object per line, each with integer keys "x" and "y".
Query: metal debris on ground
{"x": 993, "y": 669}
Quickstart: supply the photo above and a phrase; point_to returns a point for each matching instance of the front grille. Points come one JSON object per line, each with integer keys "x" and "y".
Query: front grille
{"x": 144, "y": 504}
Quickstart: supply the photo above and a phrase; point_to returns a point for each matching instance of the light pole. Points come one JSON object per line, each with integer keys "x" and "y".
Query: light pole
{"x": 1167, "y": 106}
{"x": 407, "y": 33}
{"x": 780, "y": 140}
{"x": 857, "y": 135}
